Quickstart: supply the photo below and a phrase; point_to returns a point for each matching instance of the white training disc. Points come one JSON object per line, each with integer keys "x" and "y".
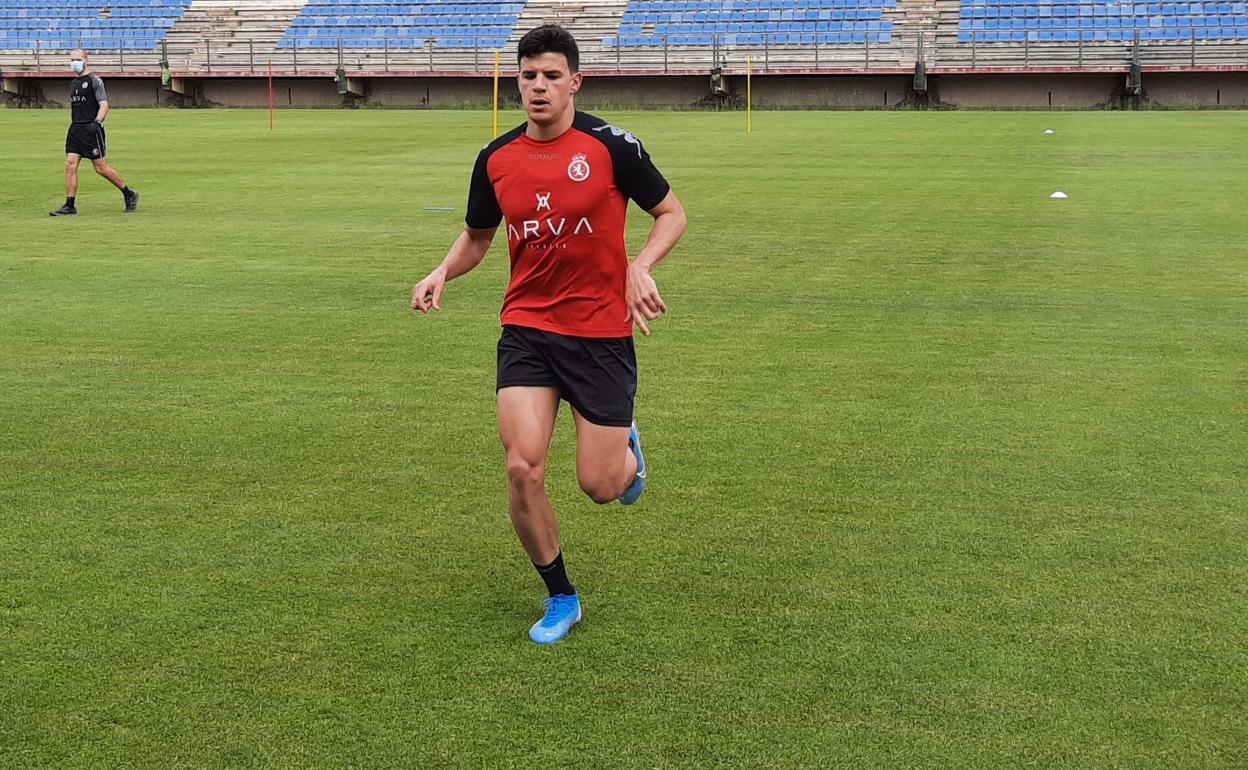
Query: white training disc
{"x": 1059, "y": 196}
{"x": 1048, "y": 130}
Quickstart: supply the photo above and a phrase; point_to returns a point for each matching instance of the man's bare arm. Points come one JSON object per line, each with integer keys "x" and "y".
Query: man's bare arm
{"x": 466, "y": 253}
{"x": 642, "y": 294}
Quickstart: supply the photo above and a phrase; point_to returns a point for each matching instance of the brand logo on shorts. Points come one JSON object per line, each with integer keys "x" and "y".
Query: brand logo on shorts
{"x": 95, "y": 152}
{"x": 578, "y": 169}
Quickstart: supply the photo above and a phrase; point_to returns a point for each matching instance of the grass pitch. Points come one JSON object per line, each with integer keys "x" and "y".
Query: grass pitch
{"x": 944, "y": 473}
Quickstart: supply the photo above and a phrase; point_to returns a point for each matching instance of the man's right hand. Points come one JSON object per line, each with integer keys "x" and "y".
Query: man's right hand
{"x": 428, "y": 293}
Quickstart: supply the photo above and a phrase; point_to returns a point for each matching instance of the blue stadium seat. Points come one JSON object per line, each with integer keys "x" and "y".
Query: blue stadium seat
{"x": 744, "y": 22}
{"x": 130, "y": 25}
{"x": 364, "y": 24}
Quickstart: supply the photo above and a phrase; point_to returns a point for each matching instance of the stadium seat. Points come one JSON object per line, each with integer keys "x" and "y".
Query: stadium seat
{"x": 1116, "y": 22}
{"x": 375, "y": 25}
{"x": 785, "y": 22}
{"x": 33, "y": 24}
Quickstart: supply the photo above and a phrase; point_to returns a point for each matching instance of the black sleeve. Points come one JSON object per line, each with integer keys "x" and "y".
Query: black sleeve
{"x": 636, "y": 175}
{"x": 483, "y": 210}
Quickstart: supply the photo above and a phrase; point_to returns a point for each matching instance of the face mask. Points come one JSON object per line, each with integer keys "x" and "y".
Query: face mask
{"x": 76, "y": 65}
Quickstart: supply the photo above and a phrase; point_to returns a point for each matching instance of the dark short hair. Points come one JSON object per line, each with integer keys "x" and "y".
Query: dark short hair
{"x": 549, "y": 38}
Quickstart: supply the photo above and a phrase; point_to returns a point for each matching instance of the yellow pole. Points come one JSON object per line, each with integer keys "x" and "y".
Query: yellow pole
{"x": 495, "y": 132}
{"x": 749, "y": 97}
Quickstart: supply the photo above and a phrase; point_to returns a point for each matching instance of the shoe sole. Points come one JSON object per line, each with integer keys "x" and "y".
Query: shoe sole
{"x": 54, "y": 214}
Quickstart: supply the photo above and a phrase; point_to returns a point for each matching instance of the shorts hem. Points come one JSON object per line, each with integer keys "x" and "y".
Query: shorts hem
{"x": 610, "y": 422}
{"x": 519, "y": 384}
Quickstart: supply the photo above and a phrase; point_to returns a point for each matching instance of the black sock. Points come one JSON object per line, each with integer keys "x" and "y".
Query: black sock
{"x": 556, "y": 577}
{"x": 126, "y": 191}
{"x": 69, "y": 201}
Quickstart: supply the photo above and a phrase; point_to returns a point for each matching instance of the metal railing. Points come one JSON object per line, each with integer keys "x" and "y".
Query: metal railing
{"x": 407, "y": 55}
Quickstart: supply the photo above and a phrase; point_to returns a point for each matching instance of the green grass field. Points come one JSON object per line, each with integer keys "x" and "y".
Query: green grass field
{"x": 944, "y": 474}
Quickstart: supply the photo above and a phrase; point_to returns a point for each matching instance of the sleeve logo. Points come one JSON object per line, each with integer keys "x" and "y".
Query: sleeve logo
{"x": 578, "y": 169}
{"x": 622, "y": 133}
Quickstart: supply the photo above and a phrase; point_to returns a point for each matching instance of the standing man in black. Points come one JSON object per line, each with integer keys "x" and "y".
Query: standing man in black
{"x": 89, "y": 105}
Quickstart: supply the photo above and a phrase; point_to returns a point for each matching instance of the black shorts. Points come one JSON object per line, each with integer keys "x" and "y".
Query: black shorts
{"x": 597, "y": 376}
{"x": 81, "y": 140}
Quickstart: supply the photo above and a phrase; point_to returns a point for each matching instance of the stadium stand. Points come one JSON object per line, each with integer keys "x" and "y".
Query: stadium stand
{"x": 235, "y": 33}
{"x": 379, "y": 24}
{"x": 746, "y": 22}
{"x": 244, "y": 36}
{"x": 1016, "y": 21}
{"x": 135, "y": 25}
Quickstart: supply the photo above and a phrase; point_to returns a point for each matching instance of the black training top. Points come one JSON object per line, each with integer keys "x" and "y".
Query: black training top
{"x": 85, "y": 96}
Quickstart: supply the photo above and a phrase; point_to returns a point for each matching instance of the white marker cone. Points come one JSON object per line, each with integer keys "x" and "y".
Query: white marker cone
{"x": 1048, "y": 130}
{"x": 1059, "y": 196}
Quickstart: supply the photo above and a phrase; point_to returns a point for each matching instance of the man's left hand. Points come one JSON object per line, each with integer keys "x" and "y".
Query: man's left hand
{"x": 642, "y": 295}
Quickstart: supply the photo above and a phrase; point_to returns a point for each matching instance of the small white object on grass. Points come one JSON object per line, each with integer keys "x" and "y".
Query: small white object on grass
{"x": 1048, "y": 130}
{"x": 1059, "y": 196}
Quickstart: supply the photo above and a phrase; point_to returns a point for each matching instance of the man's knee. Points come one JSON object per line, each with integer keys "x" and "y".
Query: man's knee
{"x": 525, "y": 475}
{"x": 71, "y": 165}
{"x": 101, "y": 167}
{"x": 599, "y": 489}
{"x": 601, "y": 495}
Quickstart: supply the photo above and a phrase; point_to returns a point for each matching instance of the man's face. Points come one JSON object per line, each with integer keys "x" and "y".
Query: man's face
{"x": 78, "y": 60}
{"x": 547, "y": 86}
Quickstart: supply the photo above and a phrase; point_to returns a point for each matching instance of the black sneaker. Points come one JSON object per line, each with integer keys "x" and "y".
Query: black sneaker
{"x": 63, "y": 211}
{"x": 132, "y": 202}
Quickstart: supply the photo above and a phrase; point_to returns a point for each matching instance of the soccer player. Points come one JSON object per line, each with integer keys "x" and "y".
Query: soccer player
{"x": 563, "y": 180}
{"x": 89, "y": 108}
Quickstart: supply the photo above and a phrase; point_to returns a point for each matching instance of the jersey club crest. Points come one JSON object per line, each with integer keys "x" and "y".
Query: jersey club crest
{"x": 578, "y": 169}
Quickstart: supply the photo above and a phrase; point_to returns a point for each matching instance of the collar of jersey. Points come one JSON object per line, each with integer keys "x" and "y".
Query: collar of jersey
{"x": 545, "y": 142}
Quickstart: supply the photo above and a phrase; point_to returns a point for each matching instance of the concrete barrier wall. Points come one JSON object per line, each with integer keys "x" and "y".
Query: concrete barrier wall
{"x": 644, "y": 92}
{"x": 1012, "y": 92}
{"x": 827, "y": 92}
{"x": 1187, "y": 89}
{"x": 122, "y": 91}
{"x": 965, "y": 91}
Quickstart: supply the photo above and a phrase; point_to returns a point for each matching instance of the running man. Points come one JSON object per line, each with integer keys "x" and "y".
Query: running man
{"x": 89, "y": 108}
{"x": 563, "y": 180}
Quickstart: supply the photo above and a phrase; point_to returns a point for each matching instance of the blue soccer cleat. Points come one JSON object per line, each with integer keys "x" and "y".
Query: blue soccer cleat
{"x": 634, "y": 490}
{"x": 562, "y": 612}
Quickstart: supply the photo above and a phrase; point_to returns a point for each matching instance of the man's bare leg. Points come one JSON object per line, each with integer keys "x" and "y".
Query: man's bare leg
{"x": 71, "y": 186}
{"x": 605, "y": 466}
{"x": 108, "y": 172}
{"x": 71, "y": 174}
{"x": 526, "y": 421}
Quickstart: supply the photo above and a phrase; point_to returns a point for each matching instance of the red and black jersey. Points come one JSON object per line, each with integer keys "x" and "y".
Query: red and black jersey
{"x": 565, "y": 201}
